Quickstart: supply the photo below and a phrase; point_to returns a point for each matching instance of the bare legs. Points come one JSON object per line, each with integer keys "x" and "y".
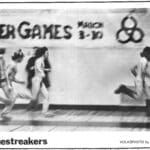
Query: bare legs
{"x": 39, "y": 88}
{"x": 10, "y": 94}
{"x": 125, "y": 90}
{"x": 11, "y": 98}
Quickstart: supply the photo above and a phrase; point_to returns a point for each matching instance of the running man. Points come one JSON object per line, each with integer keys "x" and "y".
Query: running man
{"x": 35, "y": 76}
{"x": 11, "y": 72}
{"x": 4, "y": 84}
{"x": 141, "y": 76}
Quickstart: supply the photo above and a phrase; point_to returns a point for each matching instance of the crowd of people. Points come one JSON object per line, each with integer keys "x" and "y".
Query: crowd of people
{"x": 37, "y": 68}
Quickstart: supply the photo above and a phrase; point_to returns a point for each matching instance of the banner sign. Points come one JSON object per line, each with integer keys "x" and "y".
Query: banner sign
{"x": 76, "y": 27}
{"x": 25, "y": 30}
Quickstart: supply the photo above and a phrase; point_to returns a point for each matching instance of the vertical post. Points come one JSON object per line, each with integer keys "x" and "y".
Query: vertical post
{"x": 148, "y": 107}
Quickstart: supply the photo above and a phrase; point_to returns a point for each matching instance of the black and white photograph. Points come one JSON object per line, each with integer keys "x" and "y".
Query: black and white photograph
{"x": 74, "y": 69}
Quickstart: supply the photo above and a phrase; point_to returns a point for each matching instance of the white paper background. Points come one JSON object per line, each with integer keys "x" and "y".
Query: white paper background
{"x": 82, "y": 139}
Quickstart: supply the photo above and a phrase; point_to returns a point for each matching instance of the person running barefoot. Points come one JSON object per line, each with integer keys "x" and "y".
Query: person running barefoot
{"x": 141, "y": 75}
{"x": 4, "y": 84}
{"x": 11, "y": 71}
{"x": 37, "y": 86}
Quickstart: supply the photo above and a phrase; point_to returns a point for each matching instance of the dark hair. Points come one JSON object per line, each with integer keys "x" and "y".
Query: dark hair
{"x": 30, "y": 71}
{"x": 40, "y": 51}
{"x": 18, "y": 54}
{"x": 145, "y": 52}
{"x": 2, "y": 50}
{"x": 46, "y": 79}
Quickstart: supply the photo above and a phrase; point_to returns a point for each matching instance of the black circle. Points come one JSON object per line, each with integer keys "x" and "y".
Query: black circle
{"x": 141, "y": 35}
{"x": 124, "y": 21}
{"x": 118, "y": 36}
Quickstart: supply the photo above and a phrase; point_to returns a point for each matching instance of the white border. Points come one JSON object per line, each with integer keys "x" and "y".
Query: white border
{"x": 78, "y": 139}
{"x": 74, "y": 5}
{"x": 82, "y": 139}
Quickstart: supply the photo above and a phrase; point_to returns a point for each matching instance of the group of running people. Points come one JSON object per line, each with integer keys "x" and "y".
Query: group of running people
{"x": 38, "y": 68}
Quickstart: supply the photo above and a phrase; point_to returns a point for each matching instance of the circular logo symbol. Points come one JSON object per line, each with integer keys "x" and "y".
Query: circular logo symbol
{"x": 129, "y": 31}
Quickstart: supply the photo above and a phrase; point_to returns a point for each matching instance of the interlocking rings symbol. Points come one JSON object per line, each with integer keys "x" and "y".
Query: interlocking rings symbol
{"x": 129, "y": 33}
